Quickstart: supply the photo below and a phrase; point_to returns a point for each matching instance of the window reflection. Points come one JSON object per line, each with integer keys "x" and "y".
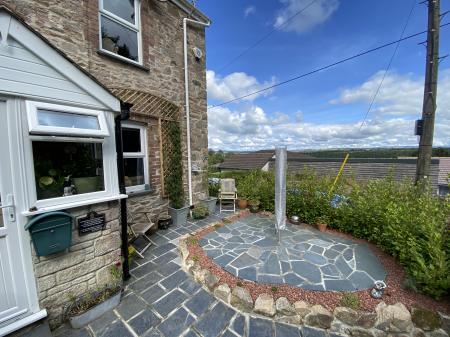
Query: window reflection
{"x": 122, "y": 8}
{"x": 118, "y": 39}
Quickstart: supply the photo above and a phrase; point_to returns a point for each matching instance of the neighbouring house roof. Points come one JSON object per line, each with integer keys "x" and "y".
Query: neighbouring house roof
{"x": 444, "y": 170}
{"x": 254, "y": 160}
{"x": 246, "y": 160}
{"x": 14, "y": 28}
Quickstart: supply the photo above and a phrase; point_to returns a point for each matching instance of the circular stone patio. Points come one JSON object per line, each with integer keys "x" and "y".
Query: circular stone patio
{"x": 306, "y": 258}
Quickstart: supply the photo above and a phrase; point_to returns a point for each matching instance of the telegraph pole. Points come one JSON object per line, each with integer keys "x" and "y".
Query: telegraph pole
{"x": 430, "y": 92}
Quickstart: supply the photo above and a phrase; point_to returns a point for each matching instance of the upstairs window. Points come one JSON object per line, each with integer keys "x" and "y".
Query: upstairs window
{"x": 120, "y": 29}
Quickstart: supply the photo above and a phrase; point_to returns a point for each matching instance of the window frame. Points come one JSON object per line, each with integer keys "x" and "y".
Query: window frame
{"x": 136, "y": 27}
{"x": 109, "y": 160}
{"x": 35, "y": 128}
{"x": 143, "y": 154}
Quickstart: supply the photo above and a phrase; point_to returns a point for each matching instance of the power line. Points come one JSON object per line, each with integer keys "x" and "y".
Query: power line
{"x": 265, "y": 36}
{"x": 323, "y": 68}
{"x": 388, "y": 66}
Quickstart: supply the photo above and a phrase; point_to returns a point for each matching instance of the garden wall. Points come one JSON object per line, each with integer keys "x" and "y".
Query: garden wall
{"x": 84, "y": 268}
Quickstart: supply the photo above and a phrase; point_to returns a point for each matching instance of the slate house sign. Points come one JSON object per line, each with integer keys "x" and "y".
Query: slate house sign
{"x": 93, "y": 222}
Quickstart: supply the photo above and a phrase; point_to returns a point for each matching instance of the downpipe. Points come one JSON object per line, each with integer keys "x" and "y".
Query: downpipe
{"x": 124, "y": 115}
{"x": 186, "y": 92}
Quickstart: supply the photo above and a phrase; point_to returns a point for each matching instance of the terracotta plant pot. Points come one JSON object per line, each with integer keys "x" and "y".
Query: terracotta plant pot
{"x": 242, "y": 203}
{"x": 322, "y": 227}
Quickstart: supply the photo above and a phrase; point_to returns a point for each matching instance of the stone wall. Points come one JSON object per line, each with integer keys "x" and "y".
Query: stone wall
{"x": 84, "y": 268}
{"x": 72, "y": 26}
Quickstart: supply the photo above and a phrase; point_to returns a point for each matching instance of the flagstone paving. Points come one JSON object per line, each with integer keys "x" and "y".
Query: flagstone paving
{"x": 161, "y": 300}
{"x": 305, "y": 257}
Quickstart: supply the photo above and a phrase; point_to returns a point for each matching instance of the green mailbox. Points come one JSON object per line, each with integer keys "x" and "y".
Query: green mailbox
{"x": 50, "y": 232}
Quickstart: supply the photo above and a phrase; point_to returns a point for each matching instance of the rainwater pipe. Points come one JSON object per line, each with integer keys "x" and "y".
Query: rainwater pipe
{"x": 186, "y": 91}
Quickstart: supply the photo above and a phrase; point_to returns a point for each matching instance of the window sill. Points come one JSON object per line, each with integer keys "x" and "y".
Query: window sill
{"x": 74, "y": 204}
{"x": 141, "y": 193}
{"x": 121, "y": 60}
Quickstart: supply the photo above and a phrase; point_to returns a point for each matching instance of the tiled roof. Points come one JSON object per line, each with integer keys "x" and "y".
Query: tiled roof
{"x": 444, "y": 170}
{"x": 247, "y": 160}
{"x": 254, "y": 160}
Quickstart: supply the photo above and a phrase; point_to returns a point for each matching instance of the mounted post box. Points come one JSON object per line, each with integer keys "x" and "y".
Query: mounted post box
{"x": 50, "y": 232}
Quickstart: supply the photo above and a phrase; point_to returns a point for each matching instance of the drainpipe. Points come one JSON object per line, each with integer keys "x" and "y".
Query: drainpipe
{"x": 124, "y": 115}
{"x": 186, "y": 91}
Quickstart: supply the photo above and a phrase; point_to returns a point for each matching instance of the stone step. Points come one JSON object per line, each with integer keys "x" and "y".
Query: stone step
{"x": 37, "y": 329}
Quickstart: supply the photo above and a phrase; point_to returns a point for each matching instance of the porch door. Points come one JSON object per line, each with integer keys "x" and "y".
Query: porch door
{"x": 13, "y": 291}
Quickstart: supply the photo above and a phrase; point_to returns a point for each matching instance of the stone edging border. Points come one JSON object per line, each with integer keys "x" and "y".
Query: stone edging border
{"x": 387, "y": 320}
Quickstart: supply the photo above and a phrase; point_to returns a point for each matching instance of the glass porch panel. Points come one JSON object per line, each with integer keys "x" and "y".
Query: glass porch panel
{"x": 67, "y": 120}
{"x": 67, "y": 164}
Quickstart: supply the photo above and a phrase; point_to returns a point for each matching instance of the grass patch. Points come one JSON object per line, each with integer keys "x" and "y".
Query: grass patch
{"x": 351, "y": 301}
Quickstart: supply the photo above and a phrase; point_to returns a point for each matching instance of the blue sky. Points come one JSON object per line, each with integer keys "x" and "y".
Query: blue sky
{"x": 324, "y": 110}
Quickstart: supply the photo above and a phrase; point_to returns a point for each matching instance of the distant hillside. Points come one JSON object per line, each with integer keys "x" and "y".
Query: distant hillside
{"x": 376, "y": 153}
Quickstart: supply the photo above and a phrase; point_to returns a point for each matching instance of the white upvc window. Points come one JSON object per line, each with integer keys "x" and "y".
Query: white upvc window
{"x": 135, "y": 157}
{"x": 120, "y": 29}
{"x": 72, "y": 156}
{"x": 45, "y": 118}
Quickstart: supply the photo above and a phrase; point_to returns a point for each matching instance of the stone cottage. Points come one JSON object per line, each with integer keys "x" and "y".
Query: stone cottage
{"x": 77, "y": 62}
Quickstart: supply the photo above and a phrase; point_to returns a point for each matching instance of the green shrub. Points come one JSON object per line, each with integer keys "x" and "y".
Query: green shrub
{"x": 408, "y": 224}
{"x": 200, "y": 211}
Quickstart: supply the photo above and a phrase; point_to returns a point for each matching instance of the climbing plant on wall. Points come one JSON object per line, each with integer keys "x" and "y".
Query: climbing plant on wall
{"x": 173, "y": 163}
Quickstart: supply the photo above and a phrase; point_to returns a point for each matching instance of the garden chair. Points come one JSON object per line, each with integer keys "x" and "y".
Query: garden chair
{"x": 227, "y": 194}
{"x": 137, "y": 230}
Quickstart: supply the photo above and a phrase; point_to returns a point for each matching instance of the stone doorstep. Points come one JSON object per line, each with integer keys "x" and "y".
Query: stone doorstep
{"x": 388, "y": 319}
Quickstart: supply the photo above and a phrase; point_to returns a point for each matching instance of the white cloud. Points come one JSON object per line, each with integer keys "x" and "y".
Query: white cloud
{"x": 315, "y": 14}
{"x": 234, "y": 85}
{"x": 249, "y": 11}
{"x": 391, "y": 123}
{"x": 400, "y": 95}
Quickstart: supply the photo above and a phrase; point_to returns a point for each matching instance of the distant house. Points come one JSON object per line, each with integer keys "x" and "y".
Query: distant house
{"x": 258, "y": 160}
{"x": 362, "y": 169}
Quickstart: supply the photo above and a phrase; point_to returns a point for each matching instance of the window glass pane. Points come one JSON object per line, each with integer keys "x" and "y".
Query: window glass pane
{"x": 67, "y": 120}
{"x": 68, "y": 168}
{"x": 131, "y": 140}
{"x": 122, "y": 8}
{"x": 118, "y": 39}
{"x": 134, "y": 171}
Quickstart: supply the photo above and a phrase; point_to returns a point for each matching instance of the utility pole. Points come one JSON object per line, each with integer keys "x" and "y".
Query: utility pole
{"x": 430, "y": 92}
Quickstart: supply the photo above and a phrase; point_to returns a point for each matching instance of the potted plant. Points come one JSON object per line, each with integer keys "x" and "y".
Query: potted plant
{"x": 91, "y": 306}
{"x": 178, "y": 211}
{"x": 243, "y": 194}
{"x": 253, "y": 206}
{"x": 322, "y": 223}
{"x": 210, "y": 204}
{"x": 200, "y": 212}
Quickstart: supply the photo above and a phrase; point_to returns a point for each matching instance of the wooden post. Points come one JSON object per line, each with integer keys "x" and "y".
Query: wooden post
{"x": 161, "y": 157}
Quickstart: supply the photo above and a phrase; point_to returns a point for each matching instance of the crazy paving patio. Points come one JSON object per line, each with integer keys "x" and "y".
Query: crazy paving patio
{"x": 161, "y": 300}
{"x": 304, "y": 257}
